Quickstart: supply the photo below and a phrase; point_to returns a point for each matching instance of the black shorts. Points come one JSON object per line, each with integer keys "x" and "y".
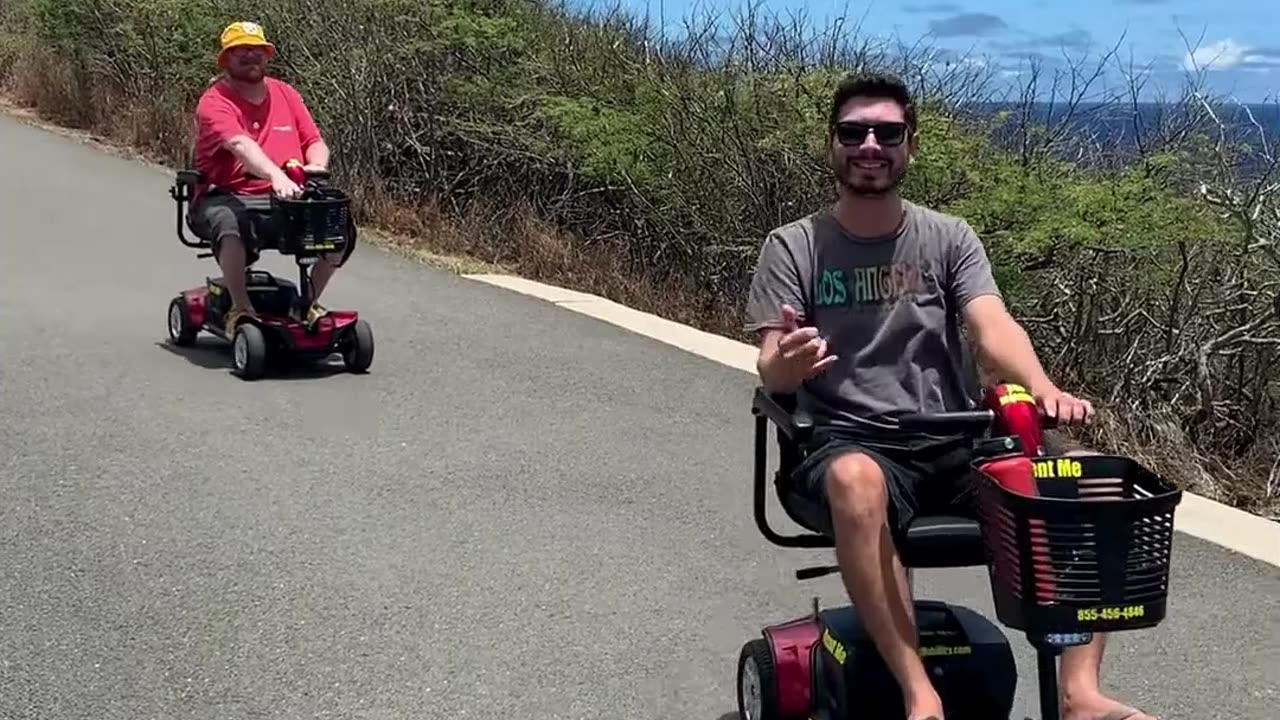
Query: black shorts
{"x": 922, "y": 477}
{"x": 215, "y": 216}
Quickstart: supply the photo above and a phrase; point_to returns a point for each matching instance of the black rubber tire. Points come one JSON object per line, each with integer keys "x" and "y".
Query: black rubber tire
{"x": 255, "y": 356}
{"x": 757, "y": 656}
{"x": 185, "y": 333}
{"x": 358, "y": 354}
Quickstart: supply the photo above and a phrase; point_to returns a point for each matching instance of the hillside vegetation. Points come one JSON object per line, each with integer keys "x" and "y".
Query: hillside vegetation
{"x": 585, "y": 152}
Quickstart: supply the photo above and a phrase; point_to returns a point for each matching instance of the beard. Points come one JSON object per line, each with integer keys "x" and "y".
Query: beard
{"x": 246, "y": 73}
{"x": 868, "y": 182}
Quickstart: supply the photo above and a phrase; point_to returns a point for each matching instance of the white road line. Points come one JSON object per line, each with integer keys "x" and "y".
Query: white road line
{"x": 1200, "y": 517}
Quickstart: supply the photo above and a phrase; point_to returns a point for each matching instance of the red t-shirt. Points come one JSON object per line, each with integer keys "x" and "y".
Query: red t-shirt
{"x": 281, "y": 125}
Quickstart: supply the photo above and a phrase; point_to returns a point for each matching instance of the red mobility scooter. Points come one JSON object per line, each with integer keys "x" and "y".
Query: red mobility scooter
{"x": 1072, "y": 546}
{"x": 317, "y": 223}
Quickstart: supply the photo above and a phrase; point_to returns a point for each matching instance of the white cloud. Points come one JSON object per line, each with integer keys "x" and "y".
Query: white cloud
{"x": 1221, "y": 55}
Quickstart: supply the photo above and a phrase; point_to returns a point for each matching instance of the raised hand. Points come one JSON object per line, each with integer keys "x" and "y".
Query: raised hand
{"x": 801, "y": 350}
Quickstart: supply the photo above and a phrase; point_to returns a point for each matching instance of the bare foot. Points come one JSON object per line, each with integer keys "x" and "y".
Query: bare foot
{"x": 1100, "y": 707}
{"x": 927, "y": 706}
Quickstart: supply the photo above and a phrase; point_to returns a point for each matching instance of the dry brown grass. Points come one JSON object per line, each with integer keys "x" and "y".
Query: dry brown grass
{"x": 1161, "y": 445}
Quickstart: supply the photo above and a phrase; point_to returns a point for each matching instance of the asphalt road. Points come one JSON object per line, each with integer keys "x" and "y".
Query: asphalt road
{"x": 520, "y": 513}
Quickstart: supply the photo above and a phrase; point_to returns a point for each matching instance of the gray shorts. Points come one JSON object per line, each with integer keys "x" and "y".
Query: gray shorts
{"x": 219, "y": 214}
{"x": 921, "y": 477}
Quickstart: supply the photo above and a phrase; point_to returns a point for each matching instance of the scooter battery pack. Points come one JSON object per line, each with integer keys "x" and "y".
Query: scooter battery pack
{"x": 269, "y": 294}
{"x": 966, "y": 656}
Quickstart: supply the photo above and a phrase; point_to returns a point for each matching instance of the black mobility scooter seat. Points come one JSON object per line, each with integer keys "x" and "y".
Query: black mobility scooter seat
{"x": 941, "y": 541}
{"x": 931, "y": 541}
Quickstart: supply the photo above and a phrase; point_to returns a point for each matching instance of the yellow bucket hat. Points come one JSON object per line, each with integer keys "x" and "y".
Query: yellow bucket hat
{"x": 244, "y": 33}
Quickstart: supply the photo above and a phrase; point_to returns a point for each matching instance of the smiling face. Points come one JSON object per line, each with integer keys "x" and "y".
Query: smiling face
{"x": 870, "y": 146}
{"x": 246, "y": 64}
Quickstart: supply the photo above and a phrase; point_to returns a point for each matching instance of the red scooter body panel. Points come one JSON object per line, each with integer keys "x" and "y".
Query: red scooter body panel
{"x": 1017, "y": 414}
{"x": 792, "y": 643}
{"x": 323, "y": 337}
{"x": 195, "y": 300}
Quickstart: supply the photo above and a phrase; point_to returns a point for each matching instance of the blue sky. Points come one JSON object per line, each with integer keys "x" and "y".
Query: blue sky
{"x": 1237, "y": 44}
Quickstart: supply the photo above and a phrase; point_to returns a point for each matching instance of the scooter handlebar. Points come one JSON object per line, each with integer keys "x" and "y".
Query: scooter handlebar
{"x": 947, "y": 423}
{"x": 959, "y": 422}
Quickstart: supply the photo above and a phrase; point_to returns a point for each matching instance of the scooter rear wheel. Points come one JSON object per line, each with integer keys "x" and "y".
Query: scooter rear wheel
{"x": 757, "y": 682}
{"x": 181, "y": 331}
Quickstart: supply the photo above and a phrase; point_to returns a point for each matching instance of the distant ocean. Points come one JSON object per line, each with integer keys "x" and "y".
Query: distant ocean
{"x": 1117, "y": 126}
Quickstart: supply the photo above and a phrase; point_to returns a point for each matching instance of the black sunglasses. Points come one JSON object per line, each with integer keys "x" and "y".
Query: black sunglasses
{"x": 888, "y": 134}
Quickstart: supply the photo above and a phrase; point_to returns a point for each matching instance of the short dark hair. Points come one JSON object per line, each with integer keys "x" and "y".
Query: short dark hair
{"x": 873, "y": 85}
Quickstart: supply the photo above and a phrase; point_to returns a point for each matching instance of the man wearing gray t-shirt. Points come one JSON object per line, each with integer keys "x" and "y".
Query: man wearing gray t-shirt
{"x": 857, "y": 308}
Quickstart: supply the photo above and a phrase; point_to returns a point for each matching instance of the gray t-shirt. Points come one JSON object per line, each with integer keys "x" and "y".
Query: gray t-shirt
{"x": 889, "y": 307}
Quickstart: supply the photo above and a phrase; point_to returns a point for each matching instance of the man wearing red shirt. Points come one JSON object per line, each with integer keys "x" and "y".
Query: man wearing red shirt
{"x": 248, "y": 126}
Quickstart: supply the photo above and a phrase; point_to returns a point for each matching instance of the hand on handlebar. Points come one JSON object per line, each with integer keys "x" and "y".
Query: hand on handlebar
{"x": 283, "y": 187}
{"x": 1062, "y": 407}
{"x": 801, "y": 350}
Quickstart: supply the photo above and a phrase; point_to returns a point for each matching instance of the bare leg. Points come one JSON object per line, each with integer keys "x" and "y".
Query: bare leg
{"x": 1079, "y": 675}
{"x": 875, "y": 579}
{"x": 321, "y": 273}
{"x": 1082, "y": 697}
{"x": 232, "y": 261}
